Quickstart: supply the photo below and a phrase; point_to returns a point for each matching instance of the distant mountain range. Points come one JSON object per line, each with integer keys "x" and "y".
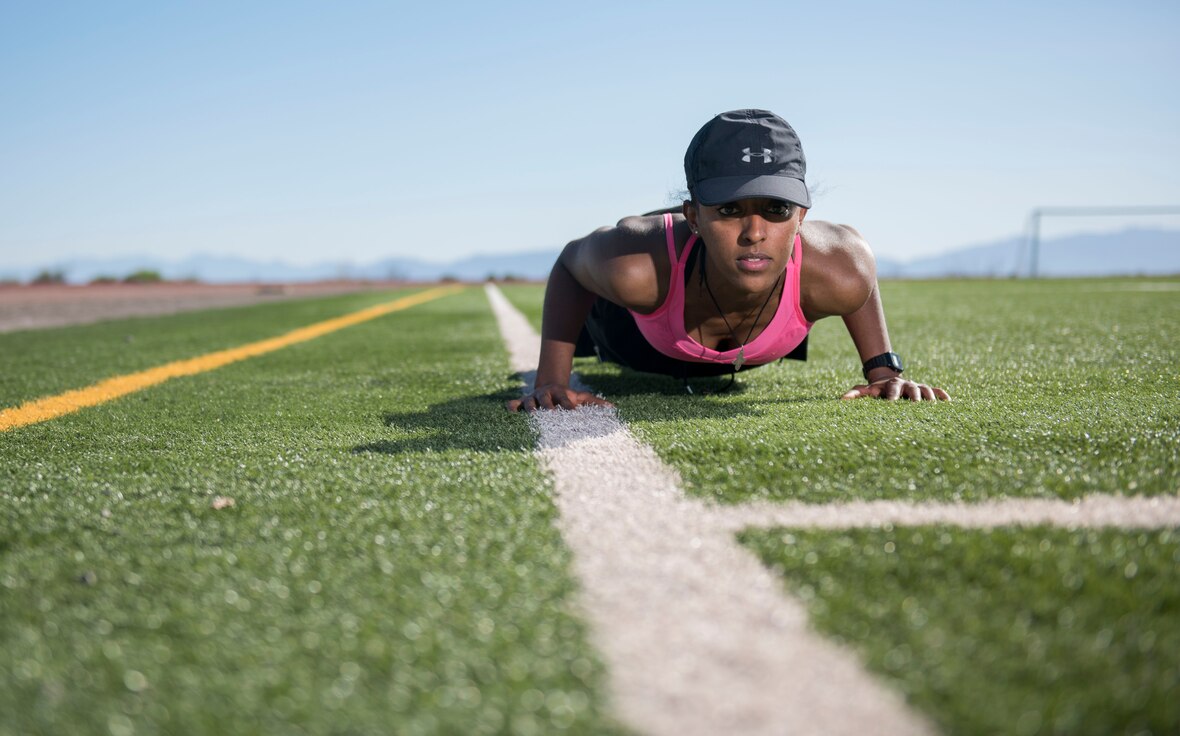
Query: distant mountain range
{"x": 1130, "y": 252}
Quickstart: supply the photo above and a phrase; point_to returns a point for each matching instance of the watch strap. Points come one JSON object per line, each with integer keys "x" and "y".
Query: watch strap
{"x": 886, "y": 360}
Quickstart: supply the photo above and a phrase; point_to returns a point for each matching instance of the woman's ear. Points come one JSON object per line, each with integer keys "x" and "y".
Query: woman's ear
{"x": 802, "y": 214}
{"x": 689, "y": 208}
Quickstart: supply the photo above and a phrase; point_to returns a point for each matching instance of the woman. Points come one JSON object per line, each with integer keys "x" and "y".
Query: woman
{"x": 733, "y": 282}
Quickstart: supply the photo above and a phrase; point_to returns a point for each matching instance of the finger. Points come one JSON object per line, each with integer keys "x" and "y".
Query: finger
{"x": 856, "y": 392}
{"x": 528, "y": 403}
{"x": 912, "y": 391}
{"x": 546, "y": 401}
{"x": 513, "y": 404}
{"x": 927, "y": 392}
{"x": 943, "y": 395}
{"x": 566, "y": 401}
{"x": 891, "y": 390}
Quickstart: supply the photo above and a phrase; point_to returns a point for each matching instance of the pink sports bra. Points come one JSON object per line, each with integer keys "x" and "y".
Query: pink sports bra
{"x": 664, "y": 328}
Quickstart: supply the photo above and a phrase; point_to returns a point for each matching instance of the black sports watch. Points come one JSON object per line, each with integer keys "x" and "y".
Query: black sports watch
{"x": 888, "y": 360}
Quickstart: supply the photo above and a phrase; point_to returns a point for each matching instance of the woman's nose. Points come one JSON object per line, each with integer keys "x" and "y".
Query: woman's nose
{"x": 753, "y": 229}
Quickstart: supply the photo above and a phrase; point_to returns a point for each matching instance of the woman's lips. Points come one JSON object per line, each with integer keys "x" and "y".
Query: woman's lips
{"x": 754, "y": 263}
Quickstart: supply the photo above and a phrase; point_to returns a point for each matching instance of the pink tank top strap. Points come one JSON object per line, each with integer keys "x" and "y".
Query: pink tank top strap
{"x": 670, "y": 237}
{"x": 796, "y": 272}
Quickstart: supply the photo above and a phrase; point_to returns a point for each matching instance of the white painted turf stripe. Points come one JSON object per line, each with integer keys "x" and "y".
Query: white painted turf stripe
{"x": 698, "y": 636}
{"x": 1127, "y": 512}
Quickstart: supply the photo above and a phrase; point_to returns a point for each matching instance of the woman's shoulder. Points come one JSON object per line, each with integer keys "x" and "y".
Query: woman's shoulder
{"x": 834, "y": 243}
{"x": 839, "y": 271}
{"x": 628, "y": 262}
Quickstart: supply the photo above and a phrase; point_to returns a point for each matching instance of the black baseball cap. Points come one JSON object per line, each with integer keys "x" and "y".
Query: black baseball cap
{"x": 746, "y": 153}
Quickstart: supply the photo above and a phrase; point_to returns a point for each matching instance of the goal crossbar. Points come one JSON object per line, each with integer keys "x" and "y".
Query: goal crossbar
{"x": 1034, "y": 223}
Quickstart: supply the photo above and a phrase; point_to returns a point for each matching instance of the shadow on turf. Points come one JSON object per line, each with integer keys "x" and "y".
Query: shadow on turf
{"x": 482, "y": 423}
{"x": 479, "y": 423}
{"x": 626, "y": 383}
{"x": 620, "y": 382}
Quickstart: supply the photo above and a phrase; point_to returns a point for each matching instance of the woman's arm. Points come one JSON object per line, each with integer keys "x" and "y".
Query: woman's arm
{"x": 614, "y": 263}
{"x": 866, "y": 326}
{"x": 567, "y": 303}
{"x": 840, "y": 278}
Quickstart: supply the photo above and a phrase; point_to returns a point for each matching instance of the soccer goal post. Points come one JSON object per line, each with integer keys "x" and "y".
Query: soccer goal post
{"x": 1033, "y": 237}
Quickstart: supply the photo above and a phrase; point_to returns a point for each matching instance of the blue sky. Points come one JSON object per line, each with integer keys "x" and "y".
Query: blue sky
{"x": 353, "y": 131}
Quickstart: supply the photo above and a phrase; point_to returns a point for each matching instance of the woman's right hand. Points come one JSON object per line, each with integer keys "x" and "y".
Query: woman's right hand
{"x": 556, "y": 396}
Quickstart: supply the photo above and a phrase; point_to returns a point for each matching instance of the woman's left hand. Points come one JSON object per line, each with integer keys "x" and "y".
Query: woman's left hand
{"x": 895, "y": 388}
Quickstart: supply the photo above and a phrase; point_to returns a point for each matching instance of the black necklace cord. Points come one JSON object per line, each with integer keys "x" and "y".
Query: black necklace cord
{"x": 741, "y": 344}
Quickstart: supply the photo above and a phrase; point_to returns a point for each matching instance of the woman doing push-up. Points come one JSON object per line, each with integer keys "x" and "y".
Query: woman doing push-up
{"x": 732, "y": 281}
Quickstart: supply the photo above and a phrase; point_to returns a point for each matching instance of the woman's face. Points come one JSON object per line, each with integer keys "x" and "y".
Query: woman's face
{"x": 748, "y": 241}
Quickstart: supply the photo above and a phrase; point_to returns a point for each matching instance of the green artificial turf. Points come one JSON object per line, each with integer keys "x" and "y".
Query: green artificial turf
{"x": 1061, "y": 388}
{"x": 1013, "y": 631}
{"x": 35, "y": 363}
{"x": 390, "y": 564}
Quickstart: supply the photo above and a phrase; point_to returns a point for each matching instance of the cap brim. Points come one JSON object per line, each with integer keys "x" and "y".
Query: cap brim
{"x": 730, "y": 188}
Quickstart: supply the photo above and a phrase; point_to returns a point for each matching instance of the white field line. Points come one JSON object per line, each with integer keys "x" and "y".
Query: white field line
{"x": 698, "y": 636}
{"x": 1127, "y": 512}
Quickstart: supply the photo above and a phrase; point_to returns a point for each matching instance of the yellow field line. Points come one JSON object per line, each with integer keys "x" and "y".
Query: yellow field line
{"x": 40, "y": 410}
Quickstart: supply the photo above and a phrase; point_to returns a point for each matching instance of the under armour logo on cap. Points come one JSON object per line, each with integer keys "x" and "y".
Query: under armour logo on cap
{"x": 767, "y": 155}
